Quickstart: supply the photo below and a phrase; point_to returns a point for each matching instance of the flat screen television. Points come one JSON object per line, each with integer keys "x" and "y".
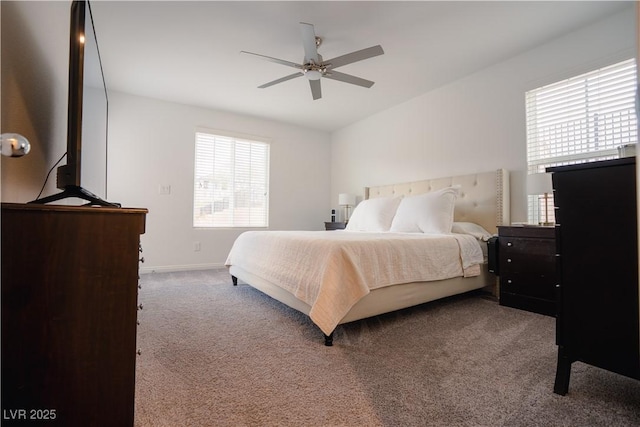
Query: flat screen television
{"x": 87, "y": 118}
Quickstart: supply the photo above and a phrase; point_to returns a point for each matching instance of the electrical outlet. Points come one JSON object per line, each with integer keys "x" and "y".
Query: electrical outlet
{"x": 196, "y": 246}
{"x": 164, "y": 189}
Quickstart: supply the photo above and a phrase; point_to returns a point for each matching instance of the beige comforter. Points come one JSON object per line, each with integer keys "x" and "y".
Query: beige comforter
{"x": 332, "y": 270}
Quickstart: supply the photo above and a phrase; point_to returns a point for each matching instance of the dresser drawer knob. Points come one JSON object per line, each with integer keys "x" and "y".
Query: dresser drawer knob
{"x": 509, "y": 281}
{"x": 508, "y": 259}
{"x": 509, "y": 244}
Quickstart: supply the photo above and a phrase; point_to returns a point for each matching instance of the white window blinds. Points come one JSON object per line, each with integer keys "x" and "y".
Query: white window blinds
{"x": 584, "y": 118}
{"x": 231, "y": 185}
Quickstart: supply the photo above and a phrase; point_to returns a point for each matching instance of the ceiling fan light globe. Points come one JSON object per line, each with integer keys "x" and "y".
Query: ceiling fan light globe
{"x": 14, "y": 145}
{"x": 313, "y": 75}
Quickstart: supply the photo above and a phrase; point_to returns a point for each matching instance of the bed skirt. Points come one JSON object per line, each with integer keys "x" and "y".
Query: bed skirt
{"x": 381, "y": 300}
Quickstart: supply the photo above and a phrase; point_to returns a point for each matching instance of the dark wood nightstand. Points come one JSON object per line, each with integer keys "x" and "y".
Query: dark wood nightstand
{"x": 334, "y": 225}
{"x": 527, "y": 265}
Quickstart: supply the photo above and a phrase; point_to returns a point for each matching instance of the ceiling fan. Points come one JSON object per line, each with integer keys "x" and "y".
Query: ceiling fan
{"x": 314, "y": 67}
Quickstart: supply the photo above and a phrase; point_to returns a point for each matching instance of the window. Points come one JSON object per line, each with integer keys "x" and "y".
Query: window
{"x": 231, "y": 184}
{"x": 581, "y": 119}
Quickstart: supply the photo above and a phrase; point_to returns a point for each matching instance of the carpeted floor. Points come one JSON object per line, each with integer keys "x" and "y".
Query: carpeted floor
{"x": 218, "y": 355}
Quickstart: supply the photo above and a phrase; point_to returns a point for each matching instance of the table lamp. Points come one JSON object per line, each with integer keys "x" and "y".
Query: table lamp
{"x": 346, "y": 200}
{"x": 537, "y": 184}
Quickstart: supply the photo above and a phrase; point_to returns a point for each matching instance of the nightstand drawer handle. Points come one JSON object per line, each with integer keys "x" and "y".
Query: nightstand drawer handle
{"x": 509, "y": 281}
{"x": 508, "y": 259}
{"x": 509, "y": 244}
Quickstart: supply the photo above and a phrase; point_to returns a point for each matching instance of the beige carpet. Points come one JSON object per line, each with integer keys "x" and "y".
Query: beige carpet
{"x": 218, "y": 355}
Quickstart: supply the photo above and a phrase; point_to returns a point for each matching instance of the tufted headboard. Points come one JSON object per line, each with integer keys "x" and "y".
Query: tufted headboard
{"x": 483, "y": 198}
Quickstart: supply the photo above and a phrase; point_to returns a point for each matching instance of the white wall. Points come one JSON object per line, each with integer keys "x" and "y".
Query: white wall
{"x": 474, "y": 124}
{"x": 151, "y": 143}
{"x": 35, "y": 62}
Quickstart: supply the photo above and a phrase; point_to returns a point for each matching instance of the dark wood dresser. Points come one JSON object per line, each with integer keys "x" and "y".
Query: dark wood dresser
{"x": 69, "y": 313}
{"x": 527, "y": 259}
{"x": 597, "y": 244}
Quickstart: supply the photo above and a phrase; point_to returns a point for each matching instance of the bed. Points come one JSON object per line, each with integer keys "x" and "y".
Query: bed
{"x": 380, "y": 263}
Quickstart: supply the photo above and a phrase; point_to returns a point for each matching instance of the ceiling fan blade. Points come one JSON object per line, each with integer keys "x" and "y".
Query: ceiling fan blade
{"x": 348, "y": 78}
{"x": 309, "y": 43}
{"x": 316, "y": 92}
{"x": 282, "y": 79}
{"x": 356, "y": 56}
{"x": 276, "y": 60}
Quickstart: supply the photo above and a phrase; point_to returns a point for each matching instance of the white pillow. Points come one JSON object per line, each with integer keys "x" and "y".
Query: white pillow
{"x": 427, "y": 213}
{"x": 471, "y": 228}
{"x": 373, "y": 214}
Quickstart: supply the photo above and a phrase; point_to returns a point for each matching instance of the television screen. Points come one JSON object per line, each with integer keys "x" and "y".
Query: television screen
{"x": 93, "y": 171}
{"x": 84, "y": 176}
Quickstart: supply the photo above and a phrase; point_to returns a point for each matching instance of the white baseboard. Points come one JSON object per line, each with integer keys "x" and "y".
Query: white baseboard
{"x": 172, "y": 268}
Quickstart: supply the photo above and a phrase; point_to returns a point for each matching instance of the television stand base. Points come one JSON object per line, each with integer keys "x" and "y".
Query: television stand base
{"x": 79, "y": 193}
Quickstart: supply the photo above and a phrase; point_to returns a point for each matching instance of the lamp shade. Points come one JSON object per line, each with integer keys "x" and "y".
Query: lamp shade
{"x": 345, "y": 199}
{"x": 539, "y": 183}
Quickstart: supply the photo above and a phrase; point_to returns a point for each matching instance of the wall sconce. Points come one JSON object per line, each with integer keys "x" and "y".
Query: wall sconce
{"x": 346, "y": 200}
{"x": 14, "y": 145}
{"x": 537, "y": 184}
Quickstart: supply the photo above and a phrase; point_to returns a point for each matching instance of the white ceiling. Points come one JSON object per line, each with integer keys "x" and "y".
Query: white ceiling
{"x": 189, "y": 52}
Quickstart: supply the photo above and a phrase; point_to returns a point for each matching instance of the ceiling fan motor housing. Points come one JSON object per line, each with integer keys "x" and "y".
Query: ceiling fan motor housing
{"x": 314, "y": 68}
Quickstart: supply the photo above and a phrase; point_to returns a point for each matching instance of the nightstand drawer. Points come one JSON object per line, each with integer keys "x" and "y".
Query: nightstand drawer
{"x": 536, "y": 286}
{"x": 527, "y": 246}
{"x": 527, "y": 265}
{"x": 535, "y": 257}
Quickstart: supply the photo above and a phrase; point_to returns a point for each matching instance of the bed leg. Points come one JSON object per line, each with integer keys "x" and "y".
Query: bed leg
{"x": 328, "y": 339}
{"x": 234, "y": 279}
